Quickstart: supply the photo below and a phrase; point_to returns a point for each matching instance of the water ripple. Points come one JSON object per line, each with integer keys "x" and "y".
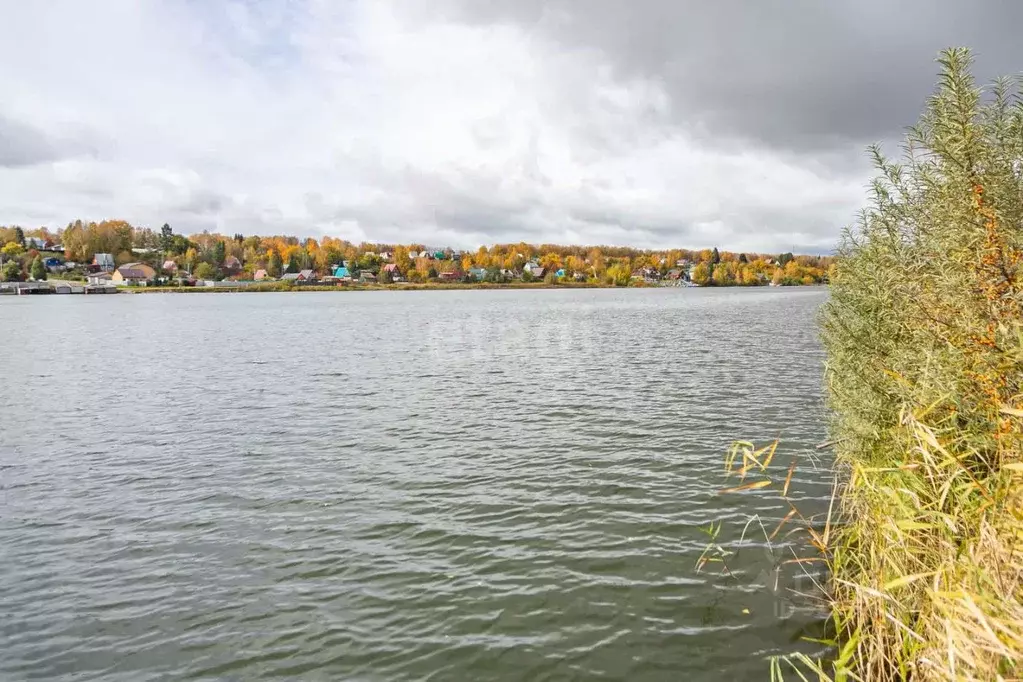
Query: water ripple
{"x": 385, "y": 486}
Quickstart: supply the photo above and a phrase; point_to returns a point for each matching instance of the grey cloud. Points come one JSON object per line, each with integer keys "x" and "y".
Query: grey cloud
{"x": 797, "y": 75}
{"x": 203, "y": 202}
{"x": 452, "y": 207}
{"x": 23, "y": 145}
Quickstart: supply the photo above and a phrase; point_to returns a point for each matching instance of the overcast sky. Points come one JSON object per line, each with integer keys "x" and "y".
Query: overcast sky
{"x": 643, "y": 122}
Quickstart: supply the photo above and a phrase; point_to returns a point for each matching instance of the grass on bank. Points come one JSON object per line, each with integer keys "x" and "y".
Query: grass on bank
{"x": 924, "y": 339}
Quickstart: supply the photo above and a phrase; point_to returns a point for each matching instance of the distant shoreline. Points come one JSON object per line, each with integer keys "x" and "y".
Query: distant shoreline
{"x": 276, "y": 287}
{"x": 401, "y": 286}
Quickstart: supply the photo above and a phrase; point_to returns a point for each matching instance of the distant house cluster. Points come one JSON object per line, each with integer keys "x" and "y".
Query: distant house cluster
{"x": 103, "y": 270}
{"x": 116, "y": 254}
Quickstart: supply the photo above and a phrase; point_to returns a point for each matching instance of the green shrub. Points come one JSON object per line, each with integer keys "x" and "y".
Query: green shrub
{"x": 924, "y": 340}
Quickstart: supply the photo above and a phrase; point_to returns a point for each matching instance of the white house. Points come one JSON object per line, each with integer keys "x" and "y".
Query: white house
{"x": 99, "y": 278}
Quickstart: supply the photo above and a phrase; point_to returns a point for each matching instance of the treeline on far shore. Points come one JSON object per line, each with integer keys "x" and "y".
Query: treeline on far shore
{"x": 32, "y": 253}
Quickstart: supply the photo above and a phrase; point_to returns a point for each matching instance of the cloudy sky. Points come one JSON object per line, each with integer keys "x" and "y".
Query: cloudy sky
{"x": 646, "y": 123}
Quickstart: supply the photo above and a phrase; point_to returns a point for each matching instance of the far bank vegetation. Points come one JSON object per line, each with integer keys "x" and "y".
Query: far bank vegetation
{"x": 209, "y": 256}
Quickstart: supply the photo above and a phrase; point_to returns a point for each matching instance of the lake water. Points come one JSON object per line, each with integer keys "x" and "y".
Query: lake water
{"x": 442, "y": 485}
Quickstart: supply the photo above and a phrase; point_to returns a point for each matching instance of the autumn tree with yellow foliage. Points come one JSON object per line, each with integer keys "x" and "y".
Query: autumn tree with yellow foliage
{"x": 597, "y": 264}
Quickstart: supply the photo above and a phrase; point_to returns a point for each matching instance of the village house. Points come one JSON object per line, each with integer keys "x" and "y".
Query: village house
{"x": 260, "y": 275}
{"x": 232, "y": 265}
{"x": 367, "y": 276}
{"x": 307, "y": 275}
{"x": 170, "y": 266}
{"x": 133, "y": 273}
{"x": 98, "y": 278}
{"x": 478, "y": 274}
{"x": 648, "y": 275}
{"x": 392, "y": 270}
{"x": 341, "y": 272}
{"x": 300, "y": 276}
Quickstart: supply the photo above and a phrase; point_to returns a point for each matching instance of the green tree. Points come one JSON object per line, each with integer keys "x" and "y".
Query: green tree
{"x": 180, "y": 244}
{"x": 166, "y": 238}
{"x": 205, "y": 271}
{"x": 11, "y": 271}
{"x": 19, "y": 236}
{"x": 38, "y": 270}
{"x": 218, "y": 253}
{"x": 294, "y": 265}
{"x": 369, "y": 261}
{"x": 273, "y": 267}
{"x": 431, "y": 273}
{"x": 715, "y": 257}
{"x": 145, "y": 238}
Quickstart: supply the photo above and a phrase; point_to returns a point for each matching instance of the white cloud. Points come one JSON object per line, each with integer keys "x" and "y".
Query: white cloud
{"x": 359, "y": 120}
